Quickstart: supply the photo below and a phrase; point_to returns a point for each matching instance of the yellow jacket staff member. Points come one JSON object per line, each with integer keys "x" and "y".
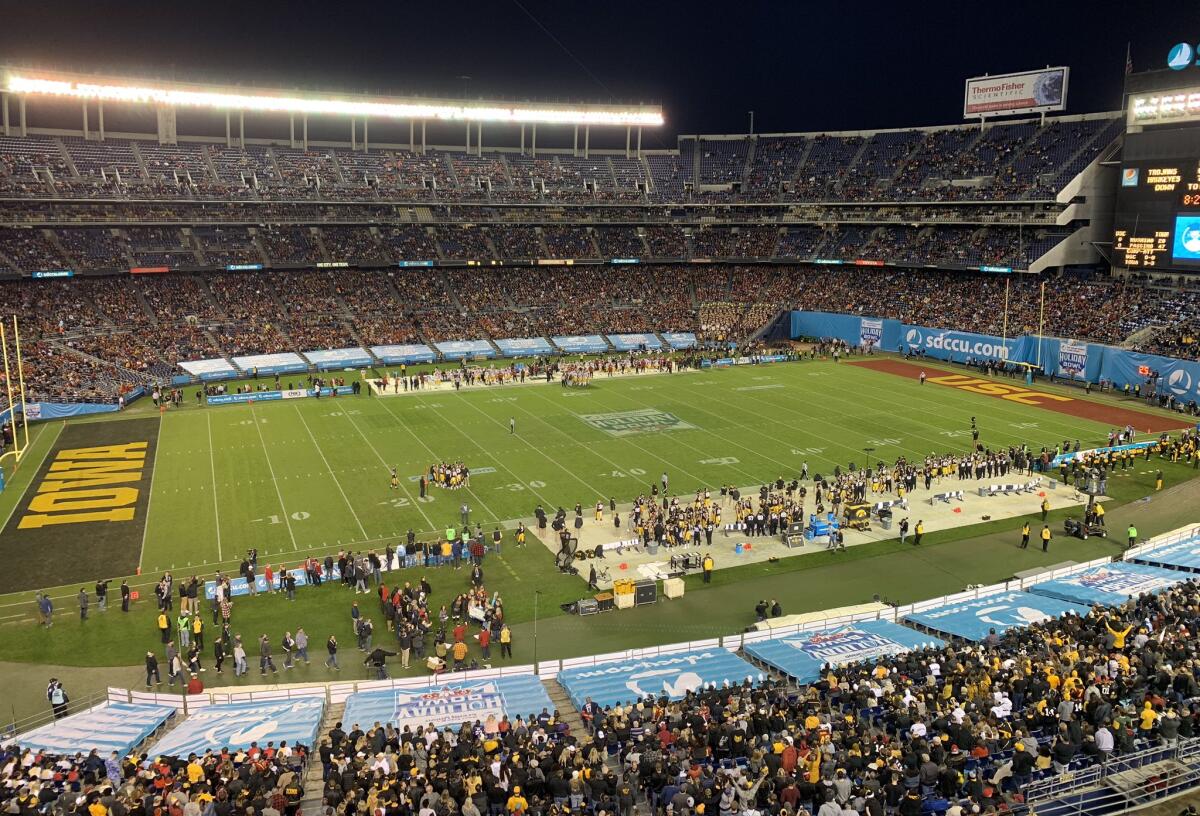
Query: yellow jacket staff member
{"x": 1046, "y": 538}
{"x": 708, "y": 567}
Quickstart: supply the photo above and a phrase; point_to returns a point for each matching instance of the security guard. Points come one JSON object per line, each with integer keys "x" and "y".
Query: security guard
{"x": 1046, "y": 536}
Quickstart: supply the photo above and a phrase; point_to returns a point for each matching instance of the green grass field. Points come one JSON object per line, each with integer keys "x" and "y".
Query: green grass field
{"x": 311, "y": 477}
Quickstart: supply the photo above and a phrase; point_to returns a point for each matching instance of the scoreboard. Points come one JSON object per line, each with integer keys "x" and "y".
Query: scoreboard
{"x": 1157, "y": 223}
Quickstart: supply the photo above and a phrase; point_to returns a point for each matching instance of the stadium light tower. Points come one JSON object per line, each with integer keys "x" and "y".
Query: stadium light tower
{"x": 167, "y": 97}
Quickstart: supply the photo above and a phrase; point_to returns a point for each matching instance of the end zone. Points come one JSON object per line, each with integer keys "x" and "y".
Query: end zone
{"x": 1017, "y": 391}
{"x": 82, "y": 517}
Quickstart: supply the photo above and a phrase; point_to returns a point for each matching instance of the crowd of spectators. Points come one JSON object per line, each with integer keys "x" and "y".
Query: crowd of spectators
{"x": 146, "y": 324}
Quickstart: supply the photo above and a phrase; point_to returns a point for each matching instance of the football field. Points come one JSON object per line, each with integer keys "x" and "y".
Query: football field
{"x": 303, "y": 477}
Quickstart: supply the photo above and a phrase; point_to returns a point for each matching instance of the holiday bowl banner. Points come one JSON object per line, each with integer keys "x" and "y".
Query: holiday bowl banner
{"x": 664, "y": 675}
{"x": 1072, "y": 358}
{"x": 870, "y": 332}
{"x": 1111, "y": 584}
{"x": 451, "y": 704}
{"x": 802, "y": 656}
{"x": 975, "y": 618}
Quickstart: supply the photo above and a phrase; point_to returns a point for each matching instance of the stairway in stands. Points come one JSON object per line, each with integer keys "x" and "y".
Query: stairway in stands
{"x": 314, "y": 788}
{"x": 567, "y": 711}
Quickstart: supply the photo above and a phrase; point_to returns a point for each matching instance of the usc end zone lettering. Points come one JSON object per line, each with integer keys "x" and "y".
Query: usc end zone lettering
{"x": 85, "y": 484}
{"x": 994, "y": 389}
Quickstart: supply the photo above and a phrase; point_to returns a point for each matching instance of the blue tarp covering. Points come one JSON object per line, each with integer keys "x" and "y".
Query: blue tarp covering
{"x": 458, "y": 349}
{"x": 213, "y": 369}
{"x": 680, "y": 340}
{"x": 236, "y": 725}
{"x": 1057, "y": 356}
{"x": 411, "y": 353}
{"x": 672, "y": 675}
{"x": 326, "y": 359}
{"x": 1179, "y": 555}
{"x": 580, "y": 343}
{"x": 449, "y": 705}
{"x": 119, "y": 727}
{"x": 1178, "y": 377}
{"x": 972, "y": 619}
{"x": 802, "y": 656}
{"x": 271, "y": 363}
{"x": 853, "y": 329}
{"x": 1111, "y": 584}
{"x": 62, "y": 410}
{"x": 633, "y": 342}
{"x": 524, "y": 346}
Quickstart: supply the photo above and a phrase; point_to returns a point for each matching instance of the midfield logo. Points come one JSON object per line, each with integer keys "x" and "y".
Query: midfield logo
{"x": 626, "y": 423}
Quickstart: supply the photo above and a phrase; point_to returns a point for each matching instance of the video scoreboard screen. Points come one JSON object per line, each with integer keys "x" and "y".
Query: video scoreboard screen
{"x": 1157, "y": 221}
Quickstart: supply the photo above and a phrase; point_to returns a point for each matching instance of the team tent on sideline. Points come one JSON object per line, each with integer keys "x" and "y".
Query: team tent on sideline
{"x": 974, "y": 618}
{"x": 236, "y": 725}
{"x": 119, "y": 727}
{"x": 802, "y": 655}
{"x": 449, "y": 705}
{"x": 662, "y": 675}
{"x": 1109, "y": 585}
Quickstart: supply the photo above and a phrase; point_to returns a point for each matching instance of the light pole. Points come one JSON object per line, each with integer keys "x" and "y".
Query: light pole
{"x": 751, "y": 122}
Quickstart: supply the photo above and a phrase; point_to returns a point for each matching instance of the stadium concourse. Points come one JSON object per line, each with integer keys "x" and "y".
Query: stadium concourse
{"x": 1070, "y": 691}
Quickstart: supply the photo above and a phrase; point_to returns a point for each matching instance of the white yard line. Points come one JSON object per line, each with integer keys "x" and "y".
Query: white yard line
{"x": 559, "y": 465}
{"x": 413, "y": 500}
{"x": 270, "y": 468}
{"x": 150, "y": 498}
{"x": 212, "y": 461}
{"x": 329, "y": 467}
{"x": 483, "y": 504}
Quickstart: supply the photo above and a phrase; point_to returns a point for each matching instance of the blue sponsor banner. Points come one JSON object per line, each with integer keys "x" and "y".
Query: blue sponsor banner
{"x": 1070, "y": 457}
{"x": 326, "y": 359}
{"x": 633, "y": 342}
{"x": 973, "y": 619}
{"x": 1110, "y": 585}
{"x": 408, "y": 354}
{"x": 236, "y": 725}
{"x": 680, "y": 340}
{"x": 803, "y": 655}
{"x": 273, "y": 396}
{"x": 524, "y": 346}
{"x": 670, "y": 675}
{"x": 119, "y": 727}
{"x": 463, "y": 349}
{"x": 856, "y": 330}
{"x": 1183, "y": 555}
{"x": 214, "y": 369}
{"x": 449, "y": 705}
{"x": 1180, "y": 378}
{"x": 271, "y": 363}
{"x": 942, "y": 344}
{"x": 580, "y": 343}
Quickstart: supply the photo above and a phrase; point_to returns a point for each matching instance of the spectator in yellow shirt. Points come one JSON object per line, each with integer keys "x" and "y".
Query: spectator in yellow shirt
{"x": 1148, "y": 717}
{"x": 1118, "y": 635}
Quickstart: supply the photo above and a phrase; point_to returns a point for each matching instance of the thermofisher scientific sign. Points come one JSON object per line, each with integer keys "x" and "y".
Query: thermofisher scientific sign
{"x": 1007, "y": 94}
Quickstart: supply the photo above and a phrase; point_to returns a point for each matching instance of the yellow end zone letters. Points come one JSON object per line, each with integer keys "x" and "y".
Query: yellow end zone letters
{"x": 1016, "y": 393}
{"x": 83, "y": 484}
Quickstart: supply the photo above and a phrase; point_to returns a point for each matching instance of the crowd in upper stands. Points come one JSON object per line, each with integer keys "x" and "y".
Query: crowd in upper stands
{"x": 1020, "y": 160}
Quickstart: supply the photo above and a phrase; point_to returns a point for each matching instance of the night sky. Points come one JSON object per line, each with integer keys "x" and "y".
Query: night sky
{"x": 800, "y": 66}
